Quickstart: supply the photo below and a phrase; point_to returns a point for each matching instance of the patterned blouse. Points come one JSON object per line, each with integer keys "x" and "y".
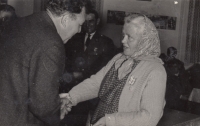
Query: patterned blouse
{"x": 109, "y": 93}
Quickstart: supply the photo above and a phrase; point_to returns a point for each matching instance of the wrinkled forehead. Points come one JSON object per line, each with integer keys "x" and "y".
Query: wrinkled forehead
{"x": 129, "y": 27}
{"x": 90, "y": 17}
{"x": 134, "y": 26}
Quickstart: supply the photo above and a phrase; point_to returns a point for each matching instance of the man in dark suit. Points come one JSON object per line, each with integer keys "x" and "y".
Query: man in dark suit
{"x": 7, "y": 14}
{"x": 86, "y": 54}
{"x": 32, "y": 62}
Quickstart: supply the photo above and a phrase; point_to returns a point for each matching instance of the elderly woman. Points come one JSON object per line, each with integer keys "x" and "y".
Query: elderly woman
{"x": 131, "y": 87}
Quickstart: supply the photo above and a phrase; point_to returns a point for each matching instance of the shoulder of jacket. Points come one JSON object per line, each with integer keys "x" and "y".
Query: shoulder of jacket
{"x": 105, "y": 37}
{"x": 116, "y": 57}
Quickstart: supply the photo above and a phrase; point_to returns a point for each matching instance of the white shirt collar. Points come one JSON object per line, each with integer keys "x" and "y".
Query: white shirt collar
{"x": 91, "y": 35}
{"x": 86, "y": 36}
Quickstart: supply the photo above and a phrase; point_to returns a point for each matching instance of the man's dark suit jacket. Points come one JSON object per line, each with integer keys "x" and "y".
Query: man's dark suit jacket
{"x": 31, "y": 63}
{"x": 100, "y": 50}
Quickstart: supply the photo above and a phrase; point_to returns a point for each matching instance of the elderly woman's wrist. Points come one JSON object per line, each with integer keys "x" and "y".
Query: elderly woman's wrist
{"x": 69, "y": 98}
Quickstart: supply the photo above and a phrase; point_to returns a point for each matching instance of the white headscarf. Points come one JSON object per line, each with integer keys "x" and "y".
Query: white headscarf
{"x": 148, "y": 48}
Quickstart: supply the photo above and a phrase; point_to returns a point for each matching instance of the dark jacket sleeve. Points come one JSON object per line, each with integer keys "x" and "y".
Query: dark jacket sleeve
{"x": 46, "y": 67}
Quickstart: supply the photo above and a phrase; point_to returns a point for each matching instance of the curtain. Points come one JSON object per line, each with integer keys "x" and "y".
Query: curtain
{"x": 98, "y": 6}
{"x": 193, "y": 33}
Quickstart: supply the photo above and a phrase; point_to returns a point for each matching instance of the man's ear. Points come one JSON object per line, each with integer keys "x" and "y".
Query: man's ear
{"x": 98, "y": 21}
{"x": 65, "y": 19}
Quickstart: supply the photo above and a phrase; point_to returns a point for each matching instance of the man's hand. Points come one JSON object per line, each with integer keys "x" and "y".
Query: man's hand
{"x": 66, "y": 105}
{"x": 101, "y": 122}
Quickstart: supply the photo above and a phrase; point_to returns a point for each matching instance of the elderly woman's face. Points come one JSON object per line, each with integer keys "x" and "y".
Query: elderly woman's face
{"x": 131, "y": 37}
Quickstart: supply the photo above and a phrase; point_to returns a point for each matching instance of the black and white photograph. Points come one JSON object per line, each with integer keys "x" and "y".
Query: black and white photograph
{"x": 163, "y": 22}
{"x": 115, "y": 17}
{"x": 99, "y": 63}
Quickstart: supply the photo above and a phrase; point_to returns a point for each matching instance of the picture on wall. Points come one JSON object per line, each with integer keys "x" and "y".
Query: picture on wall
{"x": 115, "y": 17}
{"x": 161, "y": 22}
{"x": 130, "y": 13}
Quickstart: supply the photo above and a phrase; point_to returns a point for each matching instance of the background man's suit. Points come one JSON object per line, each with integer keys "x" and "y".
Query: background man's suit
{"x": 87, "y": 61}
{"x": 90, "y": 60}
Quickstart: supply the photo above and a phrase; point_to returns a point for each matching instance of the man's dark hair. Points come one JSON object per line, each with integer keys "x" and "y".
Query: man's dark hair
{"x": 171, "y": 50}
{"x": 59, "y": 7}
{"x": 5, "y": 19}
{"x": 92, "y": 11}
{"x": 6, "y": 7}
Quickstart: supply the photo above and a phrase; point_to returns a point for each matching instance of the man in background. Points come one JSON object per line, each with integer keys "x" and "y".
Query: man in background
{"x": 32, "y": 62}
{"x": 178, "y": 85}
{"x": 7, "y": 14}
{"x": 86, "y": 54}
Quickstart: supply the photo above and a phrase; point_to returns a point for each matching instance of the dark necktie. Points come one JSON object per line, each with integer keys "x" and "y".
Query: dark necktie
{"x": 88, "y": 40}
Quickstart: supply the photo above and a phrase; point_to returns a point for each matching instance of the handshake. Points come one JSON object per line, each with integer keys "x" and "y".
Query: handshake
{"x": 66, "y": 104}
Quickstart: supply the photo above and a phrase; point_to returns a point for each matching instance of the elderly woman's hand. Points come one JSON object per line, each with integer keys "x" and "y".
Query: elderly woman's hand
{"x": 66, "y": 104}
{"x": 101, "y": 122}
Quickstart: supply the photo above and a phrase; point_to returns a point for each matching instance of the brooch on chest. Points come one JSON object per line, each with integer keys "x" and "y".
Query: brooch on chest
{"x": 131, "y": 82}
{"x": 95, "y": 49}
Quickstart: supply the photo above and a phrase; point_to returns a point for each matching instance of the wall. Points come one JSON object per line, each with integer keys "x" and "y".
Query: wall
{"x": 37, "y": 5}
{"x": 22, "y": 7}
{"x": 157, "y": 7}
{"x": 168, "y": 38}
